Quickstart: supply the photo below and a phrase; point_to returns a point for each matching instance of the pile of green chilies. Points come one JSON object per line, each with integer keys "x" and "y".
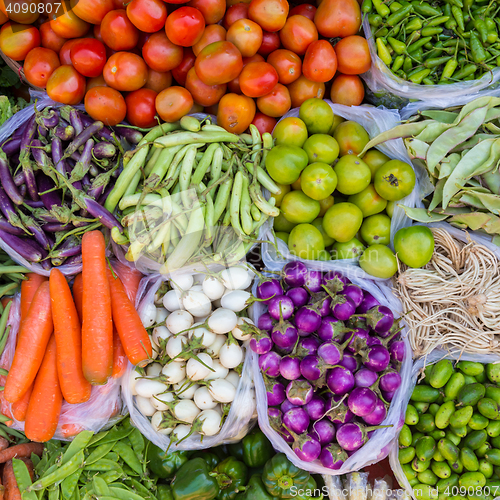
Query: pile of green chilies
{"x": 436, "y": 42}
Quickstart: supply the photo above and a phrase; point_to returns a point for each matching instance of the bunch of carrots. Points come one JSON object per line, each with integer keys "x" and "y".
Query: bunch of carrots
{"x": 68, "y": 342}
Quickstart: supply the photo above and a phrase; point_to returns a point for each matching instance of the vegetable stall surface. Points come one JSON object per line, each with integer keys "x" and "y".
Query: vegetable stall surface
{"x": 453, "y": 300}
{"x": 329, "y": 354}
{"x": 194, "y": 375}
{"x": 194, "y": 194}
{"x": 56, "y": 171}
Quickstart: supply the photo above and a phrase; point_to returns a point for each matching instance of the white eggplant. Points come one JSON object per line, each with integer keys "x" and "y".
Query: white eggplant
{"x": 230, "y": 354}
{"x": 214, "y": 348}
{"x": 222, "y": 320}
{"x": 234, "y": 378}
{"x": 172, "y": 301}
{"x": 134, "y": 376}
{"x": 161, "y": 315}
{"x": 185, "y": 389}
{"x": 237, "y": 278}
{"x": 161, "y": 333}
{"x": 175, "y": 345}
{"x": 203, "y": 399}
{"x": 153, "y": 370}
{"x": 219, "y": 371}
{"x": 147, "y": 388}
{"x": 186, "y": 411}
{"x": 213, "y": 288}
{"x": 222, "y": 390}
{"x": 197, "y": 303}
{"x": 159, "y": 401}
{"x": 182, "y": 281}
{"x": 181, "y": 431}
{"x": 236, "y": 300}
{"x": 174, "y": 372}
{"x": 211, "y": 422}
{"x": 200, "y": 332}
{"x": 148, "y": 315}
{"x": 156, "y": 421}
{"x": 145, "y": 406}
{"x": 238, "y": 333}
{"x": 196, "y": 370}
{"x": 179, "y": 321}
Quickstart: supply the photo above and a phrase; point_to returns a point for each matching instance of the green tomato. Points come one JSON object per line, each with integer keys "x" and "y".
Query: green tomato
{"x": 351, "y": 249}
{"x": 290, "y": 131}
{"x": 283, "y": 236}
{"x": 368, "y": 201}
{"x": 391, "y": 205}
{"x": 279, "y": 197}
{"x": 318, "y": 224}
{"x": 297, "y": 207}
{"x": 317, "y": 115}
{"x": 325, "y": 204}
{"x": 285, "y": 163}
{"x": 394, "y": 180}
{"x": 318, "y": 181}
{"x": 306, "y": 241}
{"x": 282, "y": 225}
{"x": 321, "y": 147}
{"x": 342, "y": 221}
{"x": 353, "y": 175}
{"x": 376, "y": 229}
{"x": 352, "y": 138}
{"x": 414, "y": 245}
{"x": 379, "y": 261}
{"x": 375, "y": 159}
{"x": 337, "y": 120}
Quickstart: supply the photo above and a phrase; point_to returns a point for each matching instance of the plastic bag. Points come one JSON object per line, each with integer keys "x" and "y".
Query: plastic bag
{"x": 375, "y": 121}
{"x": 378, "y": 446}
{"x": 385, "y": 85}
{"x": 102, "y": 410}
{"x": 419, "y": 365}
{"x": 239, "y": 420}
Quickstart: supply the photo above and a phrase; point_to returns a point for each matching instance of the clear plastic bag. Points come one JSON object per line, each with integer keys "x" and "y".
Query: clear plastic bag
{"x": 375, "y": 121}
{"x": 102, "y": 410}
{"x": 240, "y": 418}
{"x": 385, "y": 85}
{"x": 419, "y": 365}
{"x": 379, "y": 444}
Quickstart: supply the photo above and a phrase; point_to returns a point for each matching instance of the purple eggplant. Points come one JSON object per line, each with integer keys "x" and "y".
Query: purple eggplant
{"x": 299, "y": 392}
{"x": 290, "y": 367}
{"x": 335, "y": 282}
{"x": 365, "y": 377}
{"x": 390, "y": 381}
{"x": 34, "y": 204}
{"x": 68, "y": 248}
{"x": 340, "y": 380}
{"x": 76, "y": 260}
{"x": 104, "y": 150}
{"x": 49, "y": 118}
{"x": 64, "y": 133}
{"x": 388, "y": 396}
{"x": 38, "y": 233}
{"x": 362, "y": 401}
{"x": 81, "y": 138}
{"x": 352, "y": 436}
{"x": 76, "y": 121}
{"x": 377, "y": 416}
{"x": 331, "y": 352}
{"x": 28, "y": 141}
{"x": 261, "y": 342}
{"x": 342, "y": 307}
{"x": 48, "y": 195}
{"x": 296, "y": 420}
{"x": 9, "y": 228}
{"x": 355, "y": 293}
{"x": 19, "y": 179}
{"x": 275, "y": 392}
{"x": 7, "y": 208}
{"x": 8, "y": 182}
{"x": 324, "y": 431}
{"x": 305, "y": 446}
{"x": 286, "y": 435}
{"x": 55, "y": 227}
{"x": 265, "y": 322}
{"x": 284, "y": 335}
{"x": 372, "y": 340}
{"x": 397, "y": 351}
{"x": 103, "y": 133}
{"x": 307, "y": 345}
{"x": 275, "y": 416}
{"x": 316, "y": 407}
{"x": 350, "y": 362}
{"x": 11, "y": 146}
{"x": 333, "y": 457}
{"x": 106, "y": 218}
{"x": 23, "y": 191}
{"x": 313, "y": 367}
{"x": 26, "y": 249}
{"x": 380, "y": 319}
{"x": 314, "y": 281}
{"x": 376, "y": 358}
{"x": 57, "y": 154}
{"x": 286, "y": 406}
{"x": 269, "y": 288}
{"x": 269, "y": 363}
{"x": 295, "y": 274}
{"x": 131, "y": 135}
{"x": 280, "y": 306}
{"x": 337, "y": 410}
{"x": 299, "y": 296}
{"x": 369, "y": 301}
{"x": 331, "y": 329}
{"x": 357, "y": 339}
{"x": 307, "y": 319}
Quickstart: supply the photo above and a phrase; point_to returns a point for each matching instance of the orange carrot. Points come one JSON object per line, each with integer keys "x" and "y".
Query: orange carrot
{"x": 130, "y": 278}
{"x": 6, "y": 300}
{"x": 70, "y": 430}
{"x": 97, "y": 326}
{"x": 28, "y": 289}
{"x": 119, "y": 356}
{"x": 67, "y": 331}
{"x": 19, "y": 408}
{"x": 34, "y": 336}
{"x": 78, "y": 293}
{"x": 4, "y": 444}
{"x": 134, "y": 337}
{"x": 46, "y": 399}
{"x": 21, "y": 451}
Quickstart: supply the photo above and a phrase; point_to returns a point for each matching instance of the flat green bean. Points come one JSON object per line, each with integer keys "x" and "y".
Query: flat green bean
{"x": 222, "y": 198}
{"x": 234, "y": 207}
{"x": 256, "y": 213}
{"x": 216, "y": 166}
{"x": 245, "y": 204}
{"x": 152, "y": 159}
{"x": 263, "y": 178}
{"x": 204, "y": 163}
{"x": 190, "y": 123}
{"x": 123, "y": 494}
{"x": 185, "y": 174}
{"x": 162, "y": 164}
{"x": 158, "y": 131}
{"x": 193, "y": 137}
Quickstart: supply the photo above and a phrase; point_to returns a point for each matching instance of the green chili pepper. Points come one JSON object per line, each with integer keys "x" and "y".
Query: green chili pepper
{"x": 375, "y": 20}
{"x": 399, "y": 15}
{"x": 399, "y": 47}
{"x": 458, "y": 3}
{"x": 491, "y": 28}
{"x": 398, "y": 63}
{"x": 419, "y": 76}
{"x": 418, "y": 44}
{"x": 476, "y": 48}
{"x": 425, "y": 9}
{"x": 480, "y": 27}
{"x": 459, "y": 17}
{"x": 451, "y": 24}
{"x": 383, "y": 52}
{"x": 164, "y": 464}
{"x": 395, "y": 6}
{"x": 428, "y": 46}
{"x": 437, "y": 21}
{"x": 418, "y": 55}
{"x": 381, "y": 8}
{"x": 468, "y": 4}
{"x": 407, "y": 65}
{"x": 382, "y": 32}
{"x": 366, "y": 6}
{"x": 448, "y": 70}
{"x": 431, "y": 31}
{"x": 413, "y": 25}
{"x": 413, "y": 37}
{"x": 437, "y": 61}
{"x": 467, "y": 70}
{"x": 427, "y": 81}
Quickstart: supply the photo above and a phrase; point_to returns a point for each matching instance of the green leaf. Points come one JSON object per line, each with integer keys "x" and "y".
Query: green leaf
{"x": 422, "y": 214}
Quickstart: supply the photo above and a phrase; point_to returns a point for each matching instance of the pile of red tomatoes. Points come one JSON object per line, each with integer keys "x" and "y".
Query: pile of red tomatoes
{"x": 246, "y": 62}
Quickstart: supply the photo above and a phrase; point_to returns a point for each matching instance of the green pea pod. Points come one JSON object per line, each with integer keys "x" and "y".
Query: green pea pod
{"x": 127, "y": 454}
{"x": 493, "y": 456}
{"x": 444, "y": 413}
{"x": 406, "y": 455}
{"x": 472, "y": 480}
{"x": 462, "y": 416}
{"x": 453, "y": 386}
{"x": 425, "y": 448}
{"x": 478, "y": 422}
{"x": 447, "y": 483}
{"x": 124, "y": 494}
{"x": 103, "y": 465}
{"x": 419, "y": 465}
{"x": 23, "y": 479}
{"x": 79, "y": 443}
{"x": 405, "y": 436}
{"x": 69, "y": 485}
{"x": 426, "y": 423}
{"x": 411, "y": 416}
{"x": 424, "y": 393}
{"x": 427, "y": 477}
{"x": 449, "y": 450}
{"x": 469, "y": 459}
{"x": 99, "y": 452}
{"x": 61, "y": 473}
{"x": 485, "y": 468}
{"x": 441, "y": 469}
{"x": 475, "y": 439}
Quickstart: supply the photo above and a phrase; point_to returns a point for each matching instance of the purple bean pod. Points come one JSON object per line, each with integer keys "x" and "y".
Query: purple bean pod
{"x": 8, "y": 182}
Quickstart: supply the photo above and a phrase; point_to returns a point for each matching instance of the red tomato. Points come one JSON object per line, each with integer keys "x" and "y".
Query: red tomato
{"x": 68, "y": 25}
{"x": 120, "y": 4}
{"x": 98, "y": 81}
{"x": 298, "y": 33}
{"x": 50, "y": 39}
{"x": 186, "y": 64}
{"x": 264, "y": 123}
{"x": 230, "y": 3}
{"x": 258, "y": 79}
{"x": 160, "y": 53}
{"x": 141, "y": 110}
{"x": 15, "y": 10}
{"x": 92, "y": 11}
{"x": 234, "y": 84}
{"x": 147, "y": 15}
{"x": 16, "y": 40}
{"x": 158, "y": 81}
{"x": 235, "y": 12}
{"x": 66, "y": 85}
{"x": 270, "y": 43}
{"x": 246, "y": 36}
{"x": 338, "y": 18}
{"x": 65, "y": 52}
{"x": 39, "y": 64}
{"x": 235, "y": 113}
{"x": 218, "y": 63}
{"x": 353, "y": 55}
{"x": 106, "y": 105}
{"x": 270, "y": 14}
{"x": 173, "y": 103}
{"x": 97, "y": 32}
{"x": 143, "y": 38}
{"x": 276, "y": 103}
{"x": 347, "y": 90}
{"x": 117, "y": 31}
{"x": 206, "y": 95}
{"x": 212, "y": 10}
{"x": 185, "y": 26}
{"x": 3, "y": 18}
{"x": 125, "y": 71}
{"x": 305, "y": 9}
{"x": 287, "y": 64}
{"x": 320, "y": 62}
{"x": 303, "y": 89}
{"x": 88, "y": 56}
{"x": 212, "y": 33}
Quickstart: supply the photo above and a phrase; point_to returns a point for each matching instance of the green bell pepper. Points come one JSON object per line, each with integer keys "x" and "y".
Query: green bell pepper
{"x": 193, "y": 480}
{"x": 255, "y": 490}
{"x": 164, "y": 464}
{"x": 231, "y": 476}
{"x": 164, "y": 492}
{"x": 254, "y": 449}
{"x": 280, "y": 475}
{"x": 211, "y": 458}
{"x": 308, "y": 491}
